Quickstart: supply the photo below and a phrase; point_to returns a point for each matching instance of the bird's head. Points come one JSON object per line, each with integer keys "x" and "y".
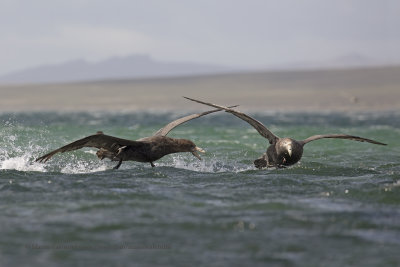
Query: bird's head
{"x": 189, "y": 146}
{"x": 290, "y": 151}
{"x": 288, "y": 146}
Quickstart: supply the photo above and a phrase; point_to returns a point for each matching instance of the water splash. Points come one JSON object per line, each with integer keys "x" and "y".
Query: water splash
{"x": 210, "y": 165}
{"x": 83, "y": 167}
{"x": 20, "y": 146}
{"x": 18, "y": 157}
{"x": 21, "y": 163}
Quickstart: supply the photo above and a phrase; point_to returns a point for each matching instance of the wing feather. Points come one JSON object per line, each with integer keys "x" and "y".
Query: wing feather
{"x": 261, "y": 129}
{"x": 167, "y": 128}
{"x": 107, "y": 142}
{"x": 340, "y": 136}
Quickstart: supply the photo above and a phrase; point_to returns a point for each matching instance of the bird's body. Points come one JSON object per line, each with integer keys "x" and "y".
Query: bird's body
{"x": 282, "y": 152}
{"x": 148, "y": 149}
{"x": 285, "y": 152}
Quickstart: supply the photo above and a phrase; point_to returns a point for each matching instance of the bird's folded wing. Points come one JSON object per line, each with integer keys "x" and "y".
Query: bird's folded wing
{"x": 340, "y": 136}
{"x": 107, "y": 142}
{"x": 167, "y": 128}
{"x": 261, "y": 129}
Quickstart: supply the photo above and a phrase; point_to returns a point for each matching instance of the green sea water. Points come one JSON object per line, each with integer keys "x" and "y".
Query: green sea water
{"x": 339, "y": 206}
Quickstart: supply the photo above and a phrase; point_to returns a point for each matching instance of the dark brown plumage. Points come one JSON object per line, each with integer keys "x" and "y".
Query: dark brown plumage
{"x": 282, "y": 151}
{"x": 148, "y": 149}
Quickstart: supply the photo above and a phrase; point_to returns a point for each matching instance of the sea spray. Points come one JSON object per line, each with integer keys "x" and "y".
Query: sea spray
{"x": 15, "y": 155}
{"x": 211, "y": 164}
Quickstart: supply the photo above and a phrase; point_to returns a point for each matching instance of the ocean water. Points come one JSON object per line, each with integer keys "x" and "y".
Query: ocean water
{"x": 339, "y": 206}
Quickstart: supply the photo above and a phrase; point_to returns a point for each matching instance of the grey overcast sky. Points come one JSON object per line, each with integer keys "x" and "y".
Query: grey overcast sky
{"x": 240, "y": 33}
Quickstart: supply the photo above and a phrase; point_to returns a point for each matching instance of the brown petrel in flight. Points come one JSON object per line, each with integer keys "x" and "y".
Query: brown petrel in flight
{"x": 286, "y": 151}
{"x": 148, "y": 149}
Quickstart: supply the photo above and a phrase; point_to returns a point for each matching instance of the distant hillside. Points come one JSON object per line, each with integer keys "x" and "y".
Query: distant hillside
{"x": 143, "y": 66}
{"x": 131, "y": 67}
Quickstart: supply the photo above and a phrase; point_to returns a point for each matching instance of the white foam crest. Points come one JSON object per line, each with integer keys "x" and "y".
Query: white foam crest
{"x": 76, "y": 165}
{"x": 21, "y": 163}
{"x": 13, "y": 157}
{"x": 83, "y": 167}
{"x": 210, "y": 165}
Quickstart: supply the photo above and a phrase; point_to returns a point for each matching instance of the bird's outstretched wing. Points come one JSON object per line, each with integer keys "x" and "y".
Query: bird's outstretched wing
{"x": 261, "y": 129}
{"x": 340, "y": 136}
{"x": 167, "y": 128}
{"x": 99, "y": 140}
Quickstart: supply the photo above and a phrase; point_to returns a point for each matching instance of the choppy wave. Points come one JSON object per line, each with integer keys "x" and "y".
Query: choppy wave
{"x": 342, "y": 198}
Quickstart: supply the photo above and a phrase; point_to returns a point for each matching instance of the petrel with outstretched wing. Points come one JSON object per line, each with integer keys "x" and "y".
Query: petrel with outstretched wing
{"x": 148, "y": 149}
{"x": 282, "y": 151}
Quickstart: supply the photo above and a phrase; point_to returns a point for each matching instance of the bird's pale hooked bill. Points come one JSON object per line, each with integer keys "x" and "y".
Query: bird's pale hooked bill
{"x": 197, "y": 154}
{"x": 289, "y": 148}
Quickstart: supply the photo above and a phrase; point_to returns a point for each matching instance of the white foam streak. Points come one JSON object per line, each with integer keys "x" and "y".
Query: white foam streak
{"x": 210, "y": 165}
{"x": 13, "y": 157}
{"x": 82, "y": 167}
{"x": 21, "y": 163}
